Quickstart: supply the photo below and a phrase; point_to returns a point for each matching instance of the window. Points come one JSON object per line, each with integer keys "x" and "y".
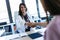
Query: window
{"x": 14, "y": 5}
{"x": 32, "y": 8}
{"x": 41, "y": 9}
{"x": 3, "y": 12}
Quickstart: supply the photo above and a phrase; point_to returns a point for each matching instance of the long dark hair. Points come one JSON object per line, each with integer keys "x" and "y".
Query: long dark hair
{"x": 53, "y": 6}
{"x": 20, "y": 12}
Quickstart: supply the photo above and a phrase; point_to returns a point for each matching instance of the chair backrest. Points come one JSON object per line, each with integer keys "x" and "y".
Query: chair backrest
{"x": 16, "y": 14}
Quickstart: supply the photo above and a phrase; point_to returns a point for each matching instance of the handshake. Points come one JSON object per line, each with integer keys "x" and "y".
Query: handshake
{"x": 31, "y": 24}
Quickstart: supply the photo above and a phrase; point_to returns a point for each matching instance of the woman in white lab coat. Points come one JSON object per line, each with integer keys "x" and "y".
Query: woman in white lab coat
{"x": 21, "y": 18}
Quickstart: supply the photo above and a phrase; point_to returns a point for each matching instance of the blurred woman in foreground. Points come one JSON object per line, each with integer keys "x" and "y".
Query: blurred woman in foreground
{"x": 53, "y": 28}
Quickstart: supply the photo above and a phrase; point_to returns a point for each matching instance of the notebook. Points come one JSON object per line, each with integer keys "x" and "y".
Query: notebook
{"x": 35, "y": 35}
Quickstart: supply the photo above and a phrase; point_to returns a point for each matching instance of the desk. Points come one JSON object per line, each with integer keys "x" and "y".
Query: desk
{"x": 41, "y": 31}
{"x": 18, "y": 37}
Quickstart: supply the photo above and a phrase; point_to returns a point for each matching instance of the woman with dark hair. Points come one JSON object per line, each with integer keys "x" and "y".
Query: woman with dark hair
{"x": 23, "y": 14}
{"x": 53, "y": 28}
{"x": 22, "y": 18}
{"x": 22, "y": 9}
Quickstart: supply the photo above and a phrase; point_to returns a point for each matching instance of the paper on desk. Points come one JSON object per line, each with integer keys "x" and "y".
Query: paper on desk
{"x": 39, "y": 30}
{"x": 23, "y": 34}
{"x": 42, "y": 31}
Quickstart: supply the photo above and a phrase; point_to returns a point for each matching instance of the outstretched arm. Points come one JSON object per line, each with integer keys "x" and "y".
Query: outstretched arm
{"x": 33, "y": 24}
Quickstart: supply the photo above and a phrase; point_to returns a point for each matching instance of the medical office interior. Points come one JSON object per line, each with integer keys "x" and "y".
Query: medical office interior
{"x": 8, "y": 10}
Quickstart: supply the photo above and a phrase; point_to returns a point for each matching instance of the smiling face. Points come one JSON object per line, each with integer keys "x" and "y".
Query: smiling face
{"x": 23, "y": 9}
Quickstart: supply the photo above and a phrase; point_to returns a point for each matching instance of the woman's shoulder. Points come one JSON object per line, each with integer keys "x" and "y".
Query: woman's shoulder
{"x": 54, "y": 23}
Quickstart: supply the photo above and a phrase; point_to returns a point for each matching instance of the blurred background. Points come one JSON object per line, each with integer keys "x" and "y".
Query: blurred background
{"x": 9, "y": 7}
